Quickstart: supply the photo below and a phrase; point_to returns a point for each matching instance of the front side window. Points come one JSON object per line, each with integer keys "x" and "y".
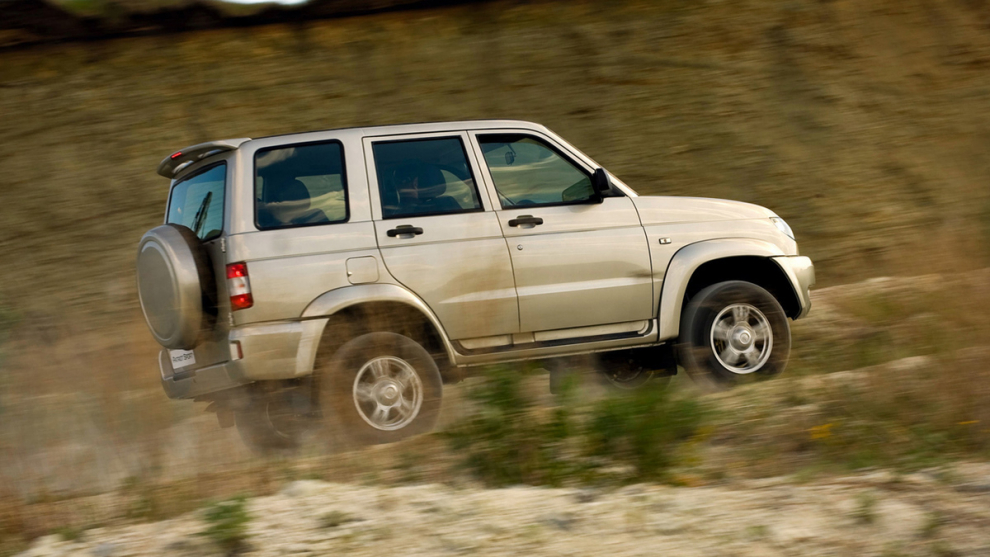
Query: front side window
{"x": 527, "y": 171}
{"x": 300, "y": 185}
{"x": 424, "y": 177}
{"x": 196, "y": 202}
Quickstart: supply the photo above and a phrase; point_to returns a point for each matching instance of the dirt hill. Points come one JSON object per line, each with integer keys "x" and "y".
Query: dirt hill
{"x": 865, "y": 125}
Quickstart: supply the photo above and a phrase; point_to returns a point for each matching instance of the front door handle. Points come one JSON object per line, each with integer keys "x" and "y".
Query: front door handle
{"x": 525, "y": 220}
{"x": 404, "y": 229}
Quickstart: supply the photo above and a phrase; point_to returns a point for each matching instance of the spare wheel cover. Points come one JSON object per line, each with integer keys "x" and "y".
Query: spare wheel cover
{"x": 171, "y": 268}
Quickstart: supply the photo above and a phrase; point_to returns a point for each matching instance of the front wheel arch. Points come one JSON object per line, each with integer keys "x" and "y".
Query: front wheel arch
{"x": 719, "y": 260}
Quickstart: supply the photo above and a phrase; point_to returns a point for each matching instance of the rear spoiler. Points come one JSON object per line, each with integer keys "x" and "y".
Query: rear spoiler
{"x": 181, "y": 159}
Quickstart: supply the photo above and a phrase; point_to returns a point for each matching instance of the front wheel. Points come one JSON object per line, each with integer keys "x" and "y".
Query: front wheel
{"x": 732, "y": 332}
{"x": 381, "y": 388}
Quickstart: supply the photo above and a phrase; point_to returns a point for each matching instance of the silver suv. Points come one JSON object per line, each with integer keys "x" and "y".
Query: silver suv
{"x": 343, "y": 276}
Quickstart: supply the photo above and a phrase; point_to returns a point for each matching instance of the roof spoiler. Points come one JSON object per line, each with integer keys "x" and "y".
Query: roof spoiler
{"x": 181, "y": 159}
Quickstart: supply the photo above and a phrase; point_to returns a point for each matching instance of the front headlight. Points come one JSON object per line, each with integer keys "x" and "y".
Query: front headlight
{"x": 782, "y": 226}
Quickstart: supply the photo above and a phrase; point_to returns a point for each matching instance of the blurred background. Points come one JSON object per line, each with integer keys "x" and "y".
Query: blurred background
{"x": 866, "y": 125}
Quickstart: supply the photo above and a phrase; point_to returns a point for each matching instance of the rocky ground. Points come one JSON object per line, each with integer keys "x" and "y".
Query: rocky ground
{"x": 878, "y": 513}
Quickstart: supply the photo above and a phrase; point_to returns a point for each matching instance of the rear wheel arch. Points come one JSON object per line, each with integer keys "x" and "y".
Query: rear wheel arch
{"x": 355, "y": 310}
{"x": 391, "y": 317}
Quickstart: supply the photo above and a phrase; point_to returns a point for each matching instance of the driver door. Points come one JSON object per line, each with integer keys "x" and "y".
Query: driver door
{"x": 576, "y": 262}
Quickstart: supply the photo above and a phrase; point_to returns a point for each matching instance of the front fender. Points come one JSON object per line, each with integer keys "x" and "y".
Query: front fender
{"x": 331, "y": 302}
{"x": 687, "y": 260}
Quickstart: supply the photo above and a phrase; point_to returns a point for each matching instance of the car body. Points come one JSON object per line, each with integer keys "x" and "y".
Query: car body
{"x": 449, "y": 225}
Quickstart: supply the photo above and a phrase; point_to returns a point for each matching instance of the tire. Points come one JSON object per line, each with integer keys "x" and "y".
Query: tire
{"x": 381, "y": 388}
{"x": 269, "y": 425}
{"x": 619, "y": 371}
{"x": 176, "y": 286}
{"x": 733, "y": 332}
{"x": 632, "y": 370}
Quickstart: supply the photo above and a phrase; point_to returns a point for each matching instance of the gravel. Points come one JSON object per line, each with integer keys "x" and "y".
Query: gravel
{"x": 908, "y": 515}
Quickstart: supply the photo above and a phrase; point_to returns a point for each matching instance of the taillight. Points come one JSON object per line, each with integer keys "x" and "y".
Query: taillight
{"x": 239, "y": 286}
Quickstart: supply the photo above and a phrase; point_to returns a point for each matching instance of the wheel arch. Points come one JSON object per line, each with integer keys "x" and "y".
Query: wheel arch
{"x": 702, "y": 264}
{"x": 377, "y": 307}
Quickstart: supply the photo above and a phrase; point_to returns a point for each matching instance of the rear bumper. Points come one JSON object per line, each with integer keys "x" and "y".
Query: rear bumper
{"x": 271, "y": 351}
{"x": 800, "y": 272}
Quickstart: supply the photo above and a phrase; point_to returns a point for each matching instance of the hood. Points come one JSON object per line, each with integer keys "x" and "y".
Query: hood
{"x": 660, "y": 209}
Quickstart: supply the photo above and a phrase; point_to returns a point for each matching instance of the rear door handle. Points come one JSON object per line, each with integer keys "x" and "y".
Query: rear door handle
{"x": 525, "y": 219}
{"x": 404, "y": 229}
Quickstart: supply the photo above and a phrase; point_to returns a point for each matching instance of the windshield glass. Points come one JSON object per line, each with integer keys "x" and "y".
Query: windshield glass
{"x": 197, "y": 202}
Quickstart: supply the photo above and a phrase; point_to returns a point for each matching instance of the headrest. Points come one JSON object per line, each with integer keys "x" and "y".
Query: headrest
{"x": 294, "y": 192}
{"x": 431, "y": 183}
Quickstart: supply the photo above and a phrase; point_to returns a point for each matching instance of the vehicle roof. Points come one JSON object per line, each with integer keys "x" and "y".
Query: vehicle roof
{"x": 424, "y": 127}
{"x": 174, "y": 164}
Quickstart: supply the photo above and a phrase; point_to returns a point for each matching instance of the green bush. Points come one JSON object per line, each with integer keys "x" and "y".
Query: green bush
{"x": 507, "y": 440}
{"x": 227, "y": 524}
{"x": 643, "y": 429}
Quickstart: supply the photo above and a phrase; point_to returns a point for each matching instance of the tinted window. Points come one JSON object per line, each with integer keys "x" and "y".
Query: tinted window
{"x": 424, "y": 177}
{"x": 197, "y": 202}
{"x": 527, "y": 171}
{"x": 300, "y": 185}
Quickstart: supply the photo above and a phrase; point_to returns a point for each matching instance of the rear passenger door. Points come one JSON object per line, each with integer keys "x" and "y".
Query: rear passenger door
{"x": 438, "y": 234}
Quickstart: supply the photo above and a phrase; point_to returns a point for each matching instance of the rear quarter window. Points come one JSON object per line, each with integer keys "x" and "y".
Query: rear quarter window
{"x": 300, "y": 185}
{"x": 197, "y": 202}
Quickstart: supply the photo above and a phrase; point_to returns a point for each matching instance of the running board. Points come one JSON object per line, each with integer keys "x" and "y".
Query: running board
{"x": 553, "y": 339}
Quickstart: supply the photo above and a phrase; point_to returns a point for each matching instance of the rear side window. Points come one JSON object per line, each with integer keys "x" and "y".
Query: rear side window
{"x": 421, "y": 177}
{"x": 197, "y": 202}
{"x": 300, "y": 185}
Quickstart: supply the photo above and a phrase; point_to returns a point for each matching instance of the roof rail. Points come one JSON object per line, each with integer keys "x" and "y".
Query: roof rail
{"x": 178, "y": 160}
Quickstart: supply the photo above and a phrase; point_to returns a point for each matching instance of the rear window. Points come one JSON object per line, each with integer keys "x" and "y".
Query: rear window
{"x": 300, "y": 185}
{"x": 197, "y": 202}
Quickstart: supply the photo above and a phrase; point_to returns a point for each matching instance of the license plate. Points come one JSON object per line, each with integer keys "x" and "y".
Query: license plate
{"x": 182, "y": 358}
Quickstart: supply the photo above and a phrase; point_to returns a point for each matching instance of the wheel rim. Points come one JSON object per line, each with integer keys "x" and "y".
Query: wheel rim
{"x": 387, "y": 393}
{"x": 741, "y": 338}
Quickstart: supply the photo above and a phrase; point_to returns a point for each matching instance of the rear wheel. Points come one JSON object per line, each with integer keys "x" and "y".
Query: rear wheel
{"x": 732, "y": 332}
{"x": 381, "y": 388}
{"x": 272, "y": 423}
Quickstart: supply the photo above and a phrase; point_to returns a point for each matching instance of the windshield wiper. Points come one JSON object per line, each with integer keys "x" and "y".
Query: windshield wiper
{"x": 200, "y": 218}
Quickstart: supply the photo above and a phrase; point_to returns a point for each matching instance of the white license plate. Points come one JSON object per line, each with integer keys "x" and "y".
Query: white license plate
{"x": 182, "y": 358}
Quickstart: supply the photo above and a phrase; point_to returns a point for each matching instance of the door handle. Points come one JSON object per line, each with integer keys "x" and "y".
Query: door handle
{"x": 404, "y": 229}
{"x": 525, "y": 219}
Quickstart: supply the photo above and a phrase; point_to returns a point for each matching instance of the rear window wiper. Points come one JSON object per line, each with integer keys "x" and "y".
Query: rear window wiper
{"x": 200, "y": 218}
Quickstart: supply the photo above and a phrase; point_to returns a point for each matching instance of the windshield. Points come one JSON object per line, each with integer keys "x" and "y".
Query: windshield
{"x": 197, "y": 202}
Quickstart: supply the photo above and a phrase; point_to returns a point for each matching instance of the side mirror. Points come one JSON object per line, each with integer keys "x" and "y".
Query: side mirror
{"x": 601, "y": 184}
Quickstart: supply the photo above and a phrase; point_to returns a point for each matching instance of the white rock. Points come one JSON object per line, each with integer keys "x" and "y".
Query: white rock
{"x": 305, "y": 488}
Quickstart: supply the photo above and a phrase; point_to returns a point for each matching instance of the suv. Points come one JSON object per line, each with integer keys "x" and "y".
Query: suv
{"x": 344, "y": 276}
